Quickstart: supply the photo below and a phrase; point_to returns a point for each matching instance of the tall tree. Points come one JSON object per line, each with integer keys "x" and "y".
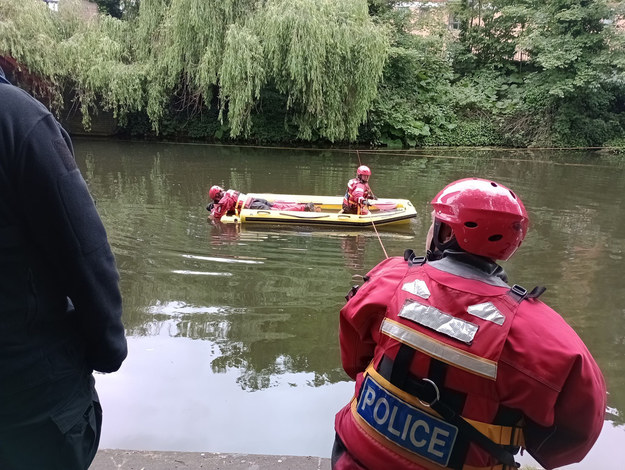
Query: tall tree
{"x": 577, "y": 59}
{"x": 566, "y": 54}
{"x": 325, "y": 57}
{"x": 411, "y": 103}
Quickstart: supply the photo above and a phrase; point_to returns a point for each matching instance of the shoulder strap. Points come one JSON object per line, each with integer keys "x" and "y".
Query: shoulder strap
{"x": 500, "y": 453}
{"x": 519, "y": 293}
{"x": 412, "y": 259}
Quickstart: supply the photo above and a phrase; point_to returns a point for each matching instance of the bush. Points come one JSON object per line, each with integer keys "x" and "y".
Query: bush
{"x": 469, "y": 131}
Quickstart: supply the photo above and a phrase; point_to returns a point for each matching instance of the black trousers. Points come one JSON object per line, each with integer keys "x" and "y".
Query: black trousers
{"x": 350, "y": 209}
{"x": 338, "y": 449}
{"x": 66, "y": 439}
{"x": 260, "y": 204}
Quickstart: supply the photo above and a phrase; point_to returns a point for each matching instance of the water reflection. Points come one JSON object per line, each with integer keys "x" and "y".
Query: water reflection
{"x": 254, "y": 309}
{"x": 198, "y": 410}
{"x": 224, "y": 233}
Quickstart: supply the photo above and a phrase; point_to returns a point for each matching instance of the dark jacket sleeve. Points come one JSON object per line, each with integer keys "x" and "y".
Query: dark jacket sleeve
{"x": 61, "y": 217}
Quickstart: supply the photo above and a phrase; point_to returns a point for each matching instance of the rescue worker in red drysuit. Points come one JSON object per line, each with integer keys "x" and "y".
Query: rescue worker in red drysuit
{"x": 446, "y": 336}
{"x": 225, "y": 202}
{"x": 358, "y": 193}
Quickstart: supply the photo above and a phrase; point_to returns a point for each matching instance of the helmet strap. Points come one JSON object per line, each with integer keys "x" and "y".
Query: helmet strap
{"x": 439, "y": 246}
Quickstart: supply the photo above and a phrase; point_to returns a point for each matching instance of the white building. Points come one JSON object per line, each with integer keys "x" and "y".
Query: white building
{"x": 89, "y": 9}
{"x": 53, "y": 4}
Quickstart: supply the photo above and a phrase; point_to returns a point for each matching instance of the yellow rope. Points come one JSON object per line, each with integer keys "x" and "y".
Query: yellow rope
{"x": 378, "y": 235}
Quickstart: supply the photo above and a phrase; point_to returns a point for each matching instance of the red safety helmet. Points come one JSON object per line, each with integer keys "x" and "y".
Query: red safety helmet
{"x": 214, "y": 191}
{"x": 363, "y": 170}
{"x": 487, "y": 218}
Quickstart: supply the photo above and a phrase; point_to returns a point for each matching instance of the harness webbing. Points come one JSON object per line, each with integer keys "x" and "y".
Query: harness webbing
{"x": 426, "y": 393}
{"x": 519, "y": 293}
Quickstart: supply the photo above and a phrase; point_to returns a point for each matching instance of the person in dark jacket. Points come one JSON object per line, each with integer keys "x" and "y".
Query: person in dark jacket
{"x": 60, "y": 303}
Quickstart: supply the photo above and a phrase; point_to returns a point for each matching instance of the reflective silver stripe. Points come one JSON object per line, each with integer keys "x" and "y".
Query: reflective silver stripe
{"x": 431, "y": 347}
{"x": 487, "y": 311}
{"x": 417, "y": 287}
{"x": 442, "y": 322}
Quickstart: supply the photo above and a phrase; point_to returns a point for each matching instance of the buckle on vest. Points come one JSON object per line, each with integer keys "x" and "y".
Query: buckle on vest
{"x": 412, "y": 259}
{"x": 518, "y": 292}
{"x": 436, "y": 391}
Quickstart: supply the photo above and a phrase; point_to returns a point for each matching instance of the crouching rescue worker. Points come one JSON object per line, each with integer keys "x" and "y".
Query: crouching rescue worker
{"x": 453, "y": 367}
{"x": 231, "y": 201}
{"x": 358, "y": 192}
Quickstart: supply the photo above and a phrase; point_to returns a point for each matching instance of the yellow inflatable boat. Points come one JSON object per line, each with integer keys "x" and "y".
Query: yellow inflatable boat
{"x": 327, "y": 212}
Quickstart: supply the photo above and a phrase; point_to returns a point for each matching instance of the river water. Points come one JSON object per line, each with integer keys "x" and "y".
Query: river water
{"x": 233, "y": 330}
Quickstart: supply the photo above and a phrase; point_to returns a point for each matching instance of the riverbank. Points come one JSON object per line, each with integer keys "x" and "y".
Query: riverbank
{"x": 113, "y": 459}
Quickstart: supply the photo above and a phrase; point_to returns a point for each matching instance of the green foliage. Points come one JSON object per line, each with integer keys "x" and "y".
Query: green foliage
{"x": 411, "y": 104}
{"x": 490, "y": 91}
{"x": 488, "y": 33}
{"x": 110, "y": 7}
{"x": 616, "y": 146}
{"x": 566, "y": 42}
{"x": 29, "y": 33}
{"x": 325, "y": 71}
{"x": 325, "y": 57}
{"x": 100, "y": 66}
{"x": 130, "y": 8}
{"x": 242, "y": 77}
{"x": 564, "y": 93}
{"x": 576, "y": 60}
{"x": 474, "y": 131}
{"x": 391, "y": 14}
{"x": 271, "y": 122}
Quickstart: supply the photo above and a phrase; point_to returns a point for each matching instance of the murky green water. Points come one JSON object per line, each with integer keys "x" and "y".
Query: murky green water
{"x": 233, "y": 330}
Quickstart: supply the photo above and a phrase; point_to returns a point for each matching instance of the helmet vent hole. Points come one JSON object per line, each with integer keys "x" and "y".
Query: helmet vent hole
{"x": 470, "y": 224}
{"x": 495, "y": 238}
{"x": 513, "y": 195}
{"x": 493, "y": 184}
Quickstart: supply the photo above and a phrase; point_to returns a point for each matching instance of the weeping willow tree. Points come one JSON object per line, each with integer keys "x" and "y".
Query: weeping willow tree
{"x": 89, "y": 61}
{"x": 29, "y": 34}
{"x": 182, "y": 41}
{"x": 325, "y": 57}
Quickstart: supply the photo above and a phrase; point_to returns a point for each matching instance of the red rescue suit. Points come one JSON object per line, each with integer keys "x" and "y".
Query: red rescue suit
{"x": 355, "y": 199}
{"x": 510, "y": 367}
{"x": 227, "y": 203}
{"x": 232, "y": 201}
